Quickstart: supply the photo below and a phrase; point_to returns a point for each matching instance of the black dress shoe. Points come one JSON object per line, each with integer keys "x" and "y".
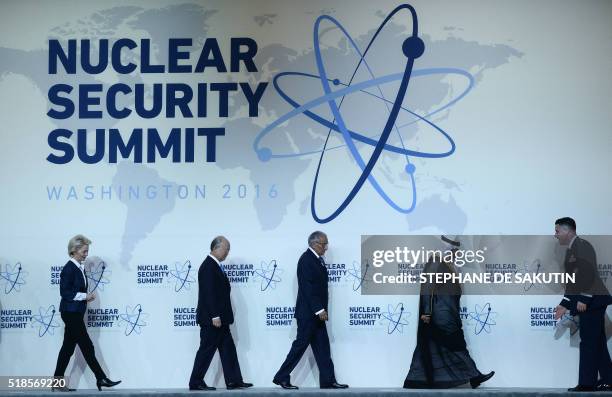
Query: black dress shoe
{"x": 285, "y": 384}
{"x": 582, "y": 388}
{"x": 201, "y": 387}
{"x": 62, "y": 388}
{"x": 238, "y": 385}
{"x": 604, "y": 387}
{"x": 334, "y": 385}
{"x": 477, "y": 380}
{"x": 105, "y": 382}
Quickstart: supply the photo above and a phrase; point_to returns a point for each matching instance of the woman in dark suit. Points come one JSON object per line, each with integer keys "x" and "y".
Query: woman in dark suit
{"x": 73, "y": 289}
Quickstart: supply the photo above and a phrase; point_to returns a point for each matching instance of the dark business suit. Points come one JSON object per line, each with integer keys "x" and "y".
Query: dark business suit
{"x": 72, "y": 313}
{"x": 312, "y": 297}
{"x": 214, "y": 301}
{"x": 589, "y": 289}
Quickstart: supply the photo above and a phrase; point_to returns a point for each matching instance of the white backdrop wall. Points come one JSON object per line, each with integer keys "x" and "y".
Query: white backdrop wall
{"x": 532, "y": 139}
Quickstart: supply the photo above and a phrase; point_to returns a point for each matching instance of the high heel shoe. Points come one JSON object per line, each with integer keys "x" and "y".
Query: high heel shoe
{"x": 106, "y": 383}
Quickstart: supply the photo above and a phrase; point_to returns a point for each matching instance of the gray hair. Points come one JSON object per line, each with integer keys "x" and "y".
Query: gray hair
{"x": 77, "y": 242}
{"x": 216, "y": 242}
{"x": 315, "y": 237}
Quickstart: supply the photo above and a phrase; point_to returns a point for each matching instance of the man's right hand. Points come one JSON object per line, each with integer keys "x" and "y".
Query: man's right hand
{"x": 559, "y": 312}
{"x": 216, "y": 322}
{"x": 425, "y": 318}
{"x": 323, "y": 316}
{"x": 90, "y": 296}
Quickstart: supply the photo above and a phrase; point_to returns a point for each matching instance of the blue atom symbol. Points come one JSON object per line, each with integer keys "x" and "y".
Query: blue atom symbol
{"x": 355, "y": 275}
{"x": 98, "y": 276}
{"x": 484, "y": 317}
{"x": 181, "y": 273}
{"x": 395, "y": 317}
{"x": 45, "y": 321}
{"x": 133, "y": 318}
{"x": 13, "y": 277}
{"x": 535, "y": 264}
{"x": 413, "y": 47}
{"x": 269, "y": 274}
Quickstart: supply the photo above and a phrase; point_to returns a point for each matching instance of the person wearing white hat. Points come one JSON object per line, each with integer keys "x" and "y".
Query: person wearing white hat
{"x": 441, "y": 358}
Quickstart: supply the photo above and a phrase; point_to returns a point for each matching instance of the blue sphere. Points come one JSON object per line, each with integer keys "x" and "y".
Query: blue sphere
{"x": 264, "y": 154}
{"x": 413, "y": 47}
{"x": 410, "y": 168}
{"x": 336, "y": 82}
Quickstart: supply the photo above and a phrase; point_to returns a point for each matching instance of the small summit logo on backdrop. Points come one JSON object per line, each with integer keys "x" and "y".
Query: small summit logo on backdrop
{"x": 97, "y": 274}
{"x": 181, "y": 275}
{"x": 133, "y": 320}
{"x": 356, "y": 277}
{"x": 391, "y": 319}
{"x": 238, "y": 273}
{"x": 15, "y": 318}
{"x": 279, "y": 316}
{"x": 267, "y": 275}
{"x": 12, "y": 278}
{"x": 481, "y": 320}
{"x": 46, "y": 321}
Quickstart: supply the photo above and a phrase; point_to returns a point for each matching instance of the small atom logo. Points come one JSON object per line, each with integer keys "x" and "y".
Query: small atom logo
{"x": 182, "y": 275}
{"x": 268, "y": 274}
{"x": 98, "y": 275}
{"x": 534, "y": 265}
{"x": 396, "y": 318}
{"x": 484, "y": 318}
{"x": 45, "y": 321}
{"x": 13, "y": 277}
{"x": 355, "y": 275}
{"x": 134, "y": 319}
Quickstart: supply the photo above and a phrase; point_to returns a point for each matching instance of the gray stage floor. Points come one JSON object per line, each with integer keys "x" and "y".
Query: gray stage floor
{"x": 278, "y": 392}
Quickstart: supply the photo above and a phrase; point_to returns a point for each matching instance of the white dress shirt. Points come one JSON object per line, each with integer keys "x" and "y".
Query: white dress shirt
{"x": 80, "y": 296}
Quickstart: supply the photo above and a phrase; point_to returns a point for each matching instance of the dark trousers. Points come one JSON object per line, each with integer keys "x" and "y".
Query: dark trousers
{"x": 311, "y": 332}
{"x": 594, "y": 355}
{"x": 75, "y": 334}
{"x": 211, "y": 339}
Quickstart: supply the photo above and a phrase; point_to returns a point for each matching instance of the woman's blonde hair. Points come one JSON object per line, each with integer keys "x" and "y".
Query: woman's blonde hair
{"x": 77, "y": 242}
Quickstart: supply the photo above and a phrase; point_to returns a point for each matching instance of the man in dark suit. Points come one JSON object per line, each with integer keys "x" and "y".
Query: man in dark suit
{"x": 311, "y": 313}
{"x": 214, "y": 315}
{"x": 588, "y": 298}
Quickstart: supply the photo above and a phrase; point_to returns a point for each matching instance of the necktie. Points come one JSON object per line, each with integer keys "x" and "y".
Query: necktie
{"x": 322, "y": 261}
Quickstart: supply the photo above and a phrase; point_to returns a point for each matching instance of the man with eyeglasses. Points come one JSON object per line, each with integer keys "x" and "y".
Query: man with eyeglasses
{"x": 311, "y": 314}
